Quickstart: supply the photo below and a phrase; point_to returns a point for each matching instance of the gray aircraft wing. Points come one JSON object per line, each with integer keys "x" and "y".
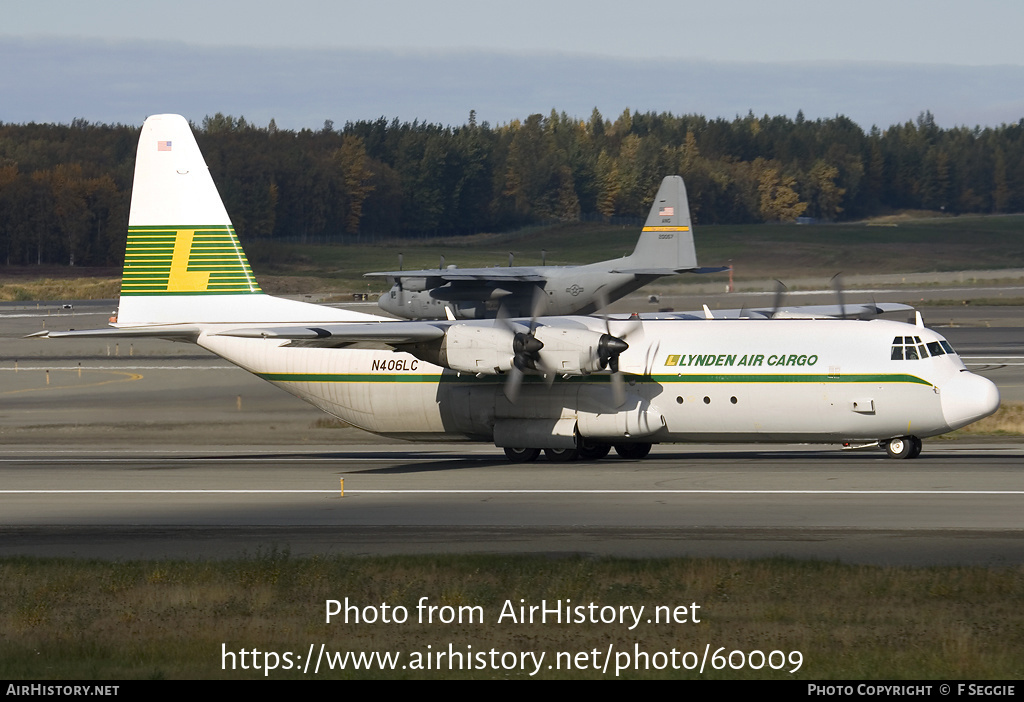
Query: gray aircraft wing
{"x": 525, "y": 274}
{"x": 521, "y": 274}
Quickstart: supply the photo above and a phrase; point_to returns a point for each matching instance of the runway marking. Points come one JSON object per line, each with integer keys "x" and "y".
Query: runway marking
{"x": 1016, "y": 358}
{"x": 23, "y": 369}
{"x": 513, "y": 492}
{"x": 129, "y": 377}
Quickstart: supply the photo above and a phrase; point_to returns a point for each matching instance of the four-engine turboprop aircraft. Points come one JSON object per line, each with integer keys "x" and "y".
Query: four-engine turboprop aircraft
{"x": 571, "y": 386}
{"x": 665, "y": 247}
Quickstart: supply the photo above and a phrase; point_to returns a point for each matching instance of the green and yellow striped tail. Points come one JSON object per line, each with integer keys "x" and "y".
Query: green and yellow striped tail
{"x": 194, "y": 260}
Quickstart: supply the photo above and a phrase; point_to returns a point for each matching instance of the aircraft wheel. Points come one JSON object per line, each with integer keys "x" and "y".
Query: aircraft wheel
{"x": 916, "y": 446}
{"x": 900, "y": 447}
{"x": 522, "y": 455}
{"x": 565, "y": 455}
{"x": 593, "y": 452}
{"x": 633, "y": 451}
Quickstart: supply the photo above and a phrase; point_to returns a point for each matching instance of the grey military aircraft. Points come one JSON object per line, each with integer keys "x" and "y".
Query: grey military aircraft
{"x": 665, "y": 248}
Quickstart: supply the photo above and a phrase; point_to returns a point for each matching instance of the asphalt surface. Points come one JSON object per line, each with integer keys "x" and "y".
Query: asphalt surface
{"x": 158, "y": 450}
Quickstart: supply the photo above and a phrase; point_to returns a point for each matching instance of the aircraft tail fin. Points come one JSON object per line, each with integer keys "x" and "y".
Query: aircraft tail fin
{"x": 666, "y": 241}
{"x": 183, "y": 260}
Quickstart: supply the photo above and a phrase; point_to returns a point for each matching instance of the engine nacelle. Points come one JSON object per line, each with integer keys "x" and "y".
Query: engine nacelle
{"x": 477, "y": 349}
{"x": 418, "y": 284}
{"x": 570, "y": 351}
{"x": 493, "y": 349}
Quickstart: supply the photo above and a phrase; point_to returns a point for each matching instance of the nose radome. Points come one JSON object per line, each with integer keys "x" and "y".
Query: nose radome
{"x": 968, "y": 398}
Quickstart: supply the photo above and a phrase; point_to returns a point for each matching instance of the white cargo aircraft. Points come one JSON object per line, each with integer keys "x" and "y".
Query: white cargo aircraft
{"x": 571, "y": 386}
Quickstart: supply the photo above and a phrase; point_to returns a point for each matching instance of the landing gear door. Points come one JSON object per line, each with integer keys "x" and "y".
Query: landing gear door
{"x": 468, "y": 409}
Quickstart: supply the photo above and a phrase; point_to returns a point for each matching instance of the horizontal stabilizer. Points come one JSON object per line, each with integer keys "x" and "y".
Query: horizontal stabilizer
{"x": 163, "y": 331}
{"x": 669, "y": 271}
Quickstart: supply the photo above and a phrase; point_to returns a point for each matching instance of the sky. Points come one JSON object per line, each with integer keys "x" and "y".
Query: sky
{"x": 304, "y": 61}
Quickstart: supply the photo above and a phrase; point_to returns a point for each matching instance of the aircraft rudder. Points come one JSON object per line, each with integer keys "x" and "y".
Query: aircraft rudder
{"x": 667, "y": 237}
{"x": 180, "y": 237}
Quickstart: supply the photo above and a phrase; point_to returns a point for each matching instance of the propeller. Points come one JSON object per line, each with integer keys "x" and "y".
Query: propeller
{"x": 610, "y": 347}
{"x": 780, "y": 293}
{"x": 526, "y": 348}
{"x": 837, "y": 285}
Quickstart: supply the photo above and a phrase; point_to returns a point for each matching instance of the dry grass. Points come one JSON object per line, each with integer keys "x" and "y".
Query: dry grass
{"x": 71, "y": 619}
{"x": 60, "y": 289}
{"x": 1008, "y": 419}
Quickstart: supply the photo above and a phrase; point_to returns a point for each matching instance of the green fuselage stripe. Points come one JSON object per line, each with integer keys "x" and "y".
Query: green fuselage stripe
{"x": 450, "y": 377}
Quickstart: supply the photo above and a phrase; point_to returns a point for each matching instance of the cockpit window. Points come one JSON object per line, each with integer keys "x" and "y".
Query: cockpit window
{"x": 911, "y": 348}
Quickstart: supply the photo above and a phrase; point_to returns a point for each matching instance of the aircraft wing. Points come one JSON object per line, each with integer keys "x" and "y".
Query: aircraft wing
{"x": 411, "y": 332}
{"x": 520, "y": 274}
{"x": 669, "y": 271}
{"x": 397, "y": 332}
{"x": 523, "y": 274}
{"x": 860, "y": 310}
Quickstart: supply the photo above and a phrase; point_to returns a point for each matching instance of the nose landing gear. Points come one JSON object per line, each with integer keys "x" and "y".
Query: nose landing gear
{"x": 903, "y": 447}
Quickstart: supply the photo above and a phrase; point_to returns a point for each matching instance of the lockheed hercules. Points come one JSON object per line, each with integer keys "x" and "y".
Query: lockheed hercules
{"x": 665, "y": 247}
{"x": 570, "y": 386}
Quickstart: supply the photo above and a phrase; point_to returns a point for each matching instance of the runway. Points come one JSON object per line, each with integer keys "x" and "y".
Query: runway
{"x": 959, "y": 503}
{"x": 157, "y": 450}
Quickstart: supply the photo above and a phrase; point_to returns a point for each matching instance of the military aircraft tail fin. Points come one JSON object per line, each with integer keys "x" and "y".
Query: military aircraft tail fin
{"x": 183, "y": 260}
{"x": 666, "y": 241}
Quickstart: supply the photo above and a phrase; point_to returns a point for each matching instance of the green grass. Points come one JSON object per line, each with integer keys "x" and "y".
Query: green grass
{"x": 756, "y": 251}
{"x": 62, "y": 618}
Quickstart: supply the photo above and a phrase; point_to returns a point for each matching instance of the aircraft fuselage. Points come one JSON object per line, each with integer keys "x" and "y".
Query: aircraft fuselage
{"x": 827, "y": 381}
{"x": 565, "y": 290}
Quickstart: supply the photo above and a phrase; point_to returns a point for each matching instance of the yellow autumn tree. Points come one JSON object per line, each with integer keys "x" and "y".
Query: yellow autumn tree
{"x": 779, "y": 201}
{"x": 356, "y": 175}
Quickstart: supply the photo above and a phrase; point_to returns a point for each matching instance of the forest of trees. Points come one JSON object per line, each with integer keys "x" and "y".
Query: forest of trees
{"x": 65, "y": 189}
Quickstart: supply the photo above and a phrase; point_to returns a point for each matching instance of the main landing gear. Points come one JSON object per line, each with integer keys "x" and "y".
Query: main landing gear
{"x": 902, "y": 447}
{"x": 585, "y": 451}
